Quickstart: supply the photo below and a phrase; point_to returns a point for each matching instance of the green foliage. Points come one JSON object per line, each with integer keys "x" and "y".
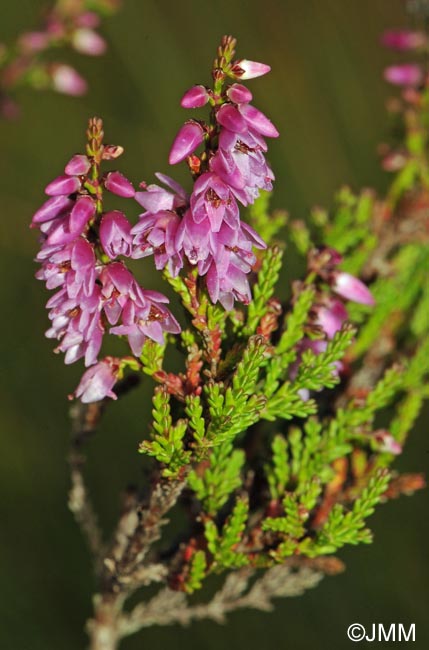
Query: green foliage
{"x": 263, "y": 289}
{"x": 235, "y": 408}
{"x": 221, "y": 477}
{"x": 197, "y": 572}
{"x": 293, "y": 332}
{"x": 152, "y": 357}
{"x": 278, "y": 474}
{"x": 223, "y": 545}
{"x": 349, "y": 527}
{"x": 167, "y": 444}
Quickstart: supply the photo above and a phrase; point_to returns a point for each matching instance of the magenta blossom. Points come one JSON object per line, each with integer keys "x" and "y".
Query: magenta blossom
{"x": 115, "y": 234}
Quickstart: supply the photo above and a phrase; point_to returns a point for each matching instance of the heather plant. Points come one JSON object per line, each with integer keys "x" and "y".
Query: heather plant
{"x": 272, "y": 444}
{"x": 28, "y": 62}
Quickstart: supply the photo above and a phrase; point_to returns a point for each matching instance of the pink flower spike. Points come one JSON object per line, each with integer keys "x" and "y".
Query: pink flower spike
{"x": 63, "y": 185}
{"x": 66, "y": 80}
{"x": 116, "y": 183}
{"x": 189, "y": 137}
{"x": 407, "y": 74}
{"x": 245, "y": 69}
{"x": 402, "y": 39}
{"x": 239, "y": 94}
{"x": 258, "y": 121}
{"x": 97, "y": 382}
{"x": 195, "y": 97}
{"x": 86, "y": 41}
{"x": 115, "y": 234}
{"x": 79, "y": 165}
{"x": 349, "y": 287}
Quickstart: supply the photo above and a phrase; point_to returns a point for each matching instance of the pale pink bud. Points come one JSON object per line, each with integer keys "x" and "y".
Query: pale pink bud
{"x": 66, "y": 80}
{"x": 63, "y": 185}
{"x": 195, "y": 97}
{"x": 352, "y": 288}
{"x": 79, "y": 165}
{"x": 239, "y": 94}
{"x": 402, "y": 39}
{"x": 86, "y": 41}
{"x": 116, "y": 183}
{"x": 189, "y": 137}
{"x": 245, "y": 69}
{"x": 406, "y": 74}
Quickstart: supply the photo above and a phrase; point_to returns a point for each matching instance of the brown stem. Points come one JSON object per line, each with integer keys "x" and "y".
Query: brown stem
{"x": 104, "y": 628}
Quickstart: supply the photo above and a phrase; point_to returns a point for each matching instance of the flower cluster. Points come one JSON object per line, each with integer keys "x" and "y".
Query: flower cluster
{"x": 80, "y": 245}
{"x": 66, "y": 24}
{"x": 205, "y": 229}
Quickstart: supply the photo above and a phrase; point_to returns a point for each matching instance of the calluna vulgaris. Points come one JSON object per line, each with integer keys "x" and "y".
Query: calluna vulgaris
{"x": 268, "y": 442}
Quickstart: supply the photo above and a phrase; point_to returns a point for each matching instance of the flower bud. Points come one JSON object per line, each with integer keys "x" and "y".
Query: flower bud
{"x": 66, "y": 80}
{"x": 86, "y": 41}
{"x": 407, "y": 74}
{"x": 349, "y": 287}
{"x": 195, "y": 97}
{"x": 116, "y": 183}
{"x": 79, "y": 165}
{"x": 189, "y": 137}
{"x": 83, "y": 211}
{"x": 245, "y": 69}
{"x": 402, "y": 39}
{"x": 51, "y": 209}
{"x": 239, "y": 94}
{"x": 229, "y": 117}
{"x": 63, "y": 185}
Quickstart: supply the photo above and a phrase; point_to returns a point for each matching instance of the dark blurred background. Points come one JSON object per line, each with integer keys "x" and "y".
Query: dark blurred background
{"x": 326, "y": 95}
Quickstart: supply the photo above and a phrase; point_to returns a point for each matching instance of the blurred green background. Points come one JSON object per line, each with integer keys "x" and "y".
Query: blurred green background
{"x": 326, "y": 95}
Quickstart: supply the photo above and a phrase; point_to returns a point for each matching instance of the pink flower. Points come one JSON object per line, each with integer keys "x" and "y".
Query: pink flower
{"x": 97, "y": 382}
{"x": 115, "y": 234}
{"x": 331, "y": 316}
